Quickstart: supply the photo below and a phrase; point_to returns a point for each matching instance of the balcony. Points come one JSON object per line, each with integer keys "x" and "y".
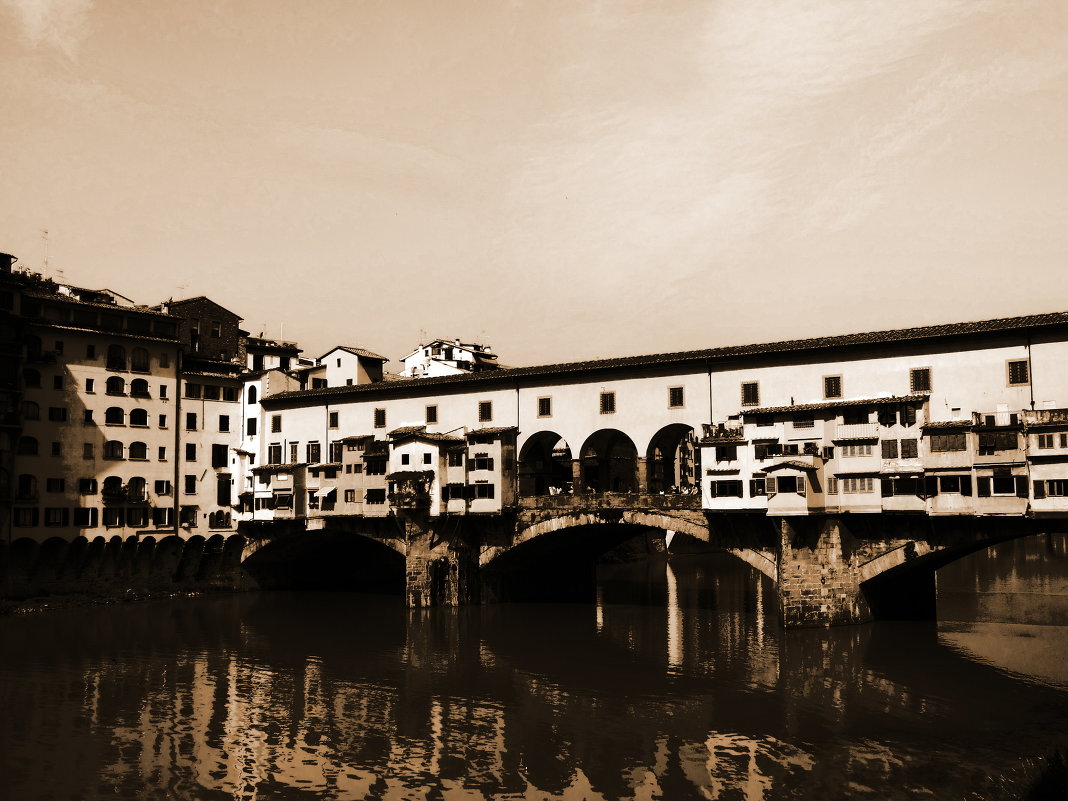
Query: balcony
{"x": 855, "y": 431}
{"x": 1045, "y": 416}
{"x": 595, "y": 501}
{"x": 722, "y": 435}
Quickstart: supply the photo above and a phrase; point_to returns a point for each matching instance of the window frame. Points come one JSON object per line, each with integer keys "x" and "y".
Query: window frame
{"x": 827, "y": 379}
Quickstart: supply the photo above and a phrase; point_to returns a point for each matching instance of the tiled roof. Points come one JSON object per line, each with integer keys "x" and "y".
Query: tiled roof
{"x": 355, "y": 351}
{"x": 697, "y": 357}
{"x": 948, "y": 424}
{"x": 278, "y": 468}
{"x": 420, "y": 432}
{"x": 792, "y": 463}
{"x": 834, "y": 404}
{"x": 490, "y": 431}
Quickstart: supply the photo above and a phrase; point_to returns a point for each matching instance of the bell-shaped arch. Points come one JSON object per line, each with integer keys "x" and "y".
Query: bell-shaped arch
{"x": 545, "y": 465}
{"x": 673, "y": 460}
{"x": 609, "y": 462}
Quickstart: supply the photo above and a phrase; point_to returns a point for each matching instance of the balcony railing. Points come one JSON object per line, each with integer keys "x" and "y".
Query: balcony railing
{"x": 611, "y": 500}
{"x": 856, "y": 431}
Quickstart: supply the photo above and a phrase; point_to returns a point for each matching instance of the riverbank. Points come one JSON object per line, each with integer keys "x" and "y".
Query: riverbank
{"x": 48, "y": 603}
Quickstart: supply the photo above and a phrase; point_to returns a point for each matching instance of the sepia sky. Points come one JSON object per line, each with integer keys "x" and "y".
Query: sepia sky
{"x": 562, "y": 180}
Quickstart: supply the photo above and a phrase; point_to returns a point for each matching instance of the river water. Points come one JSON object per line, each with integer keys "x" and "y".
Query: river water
{"x": 678, "y": 683}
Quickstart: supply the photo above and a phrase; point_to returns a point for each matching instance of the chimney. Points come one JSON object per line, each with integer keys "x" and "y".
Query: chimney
{"x": 7, "y": 261}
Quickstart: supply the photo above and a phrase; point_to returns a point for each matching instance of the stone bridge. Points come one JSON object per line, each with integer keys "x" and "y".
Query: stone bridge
{"x": 827, "y": 569}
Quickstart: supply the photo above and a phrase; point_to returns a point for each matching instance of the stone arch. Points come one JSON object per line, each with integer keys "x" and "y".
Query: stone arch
{"x": 673, "y": 459}
{"x": 545, "y": 464}
{"x": 609, "y": 462}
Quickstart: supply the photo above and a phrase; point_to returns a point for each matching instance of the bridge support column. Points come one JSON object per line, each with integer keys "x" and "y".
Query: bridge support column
{"x": 440, "y": 570}
{"x": 577, "y": 484}
{"x": 818, "y": 583}
{"x": 643, "y": 476}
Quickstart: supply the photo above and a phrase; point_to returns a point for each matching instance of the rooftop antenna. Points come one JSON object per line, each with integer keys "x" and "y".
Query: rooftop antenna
{"x": 44, "y": 236}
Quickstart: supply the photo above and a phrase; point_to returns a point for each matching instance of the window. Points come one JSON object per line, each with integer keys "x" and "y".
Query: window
{"x": 211, "y": 392}
{"x": 87, "y": 486}
{"x": 139, "y": 361}
{"x": 26, "y": 517}
{"x": 405, "y": 458}
{"x": 162, "y": 487}
{"x": 86, "y": 518}
{"x": 908, "y": 416}
{"x": 350, "y": 496}
{"x": 116, "y": 359}
{"x": 804, "y": 421}
{"x": 190, "y": 451}
{"x": 852, "y": 417}
{"x": 190, "y": 485}
{"x": 953, "y": 485}
{"x": 786, "y": 484}
{"x": 115, "y": 386}
{"x": 1019, "y": 372}
{"x": 113, "y": 449}
{"x": 380, "y": 418}
{"x": 190, "y": 421}
{"x": 608, "y": 402}
{"x": 431, "y": 414}
{"x": 855, "y": 449}
{"x": 726, "y": 453}
{"x": 294, "y": 451}
{"x": 87, "y": 416}
{"x": 485, "y": 411}
{"x": 314, "y": 453}
{"x": 427, "y": 458}
{"x": 90, "y": 351}
{"x": 224, "y": 422}
{"x": 676, "y": 399}
{"x": 920, "y": 379}
{"x": 89, "y": 384}
{"x": 832, "y": 386}
{"x": 163, "y": 390}
{"x": 87, "y": 451}
{"x": 335, "y": 451}
{"x": 162, "y": 453}
{"x": 545, "y": 407}
{"x": 483, "y": 490}
{"x": 139, "y": 388}
{"x": 229, "y": 394}
{"x": 456, "y": 458}
{"x": 165, "y": 359}
{"x": 216, "y": 328}
{"x": 276, "y": 423}
{"x": 332, "y": 421}
{"x": 941, "y": 443}
{"x": 57, "y": 382}
{"x": 250, "y": 426}
{"x": 139, "y": 417}
{"x": 30, "y": 410}
{"x": 57, "y": 448}
{"x": 375, "y": 496}
{"x": 252, "y": 397}
{"x": 138, "y": 451}
{"x": 219, "y": 455}
{"x": 27, "y": 446}
{"x": 909, "y": 449}
{"x": 725, "y": 488}
{"x": 58, "y": 346}
{"x": 856, "y": 485}
{"x": 1045, "y": 441}
{"x": 482, "y": 461}
{"x": 274, "y": 453}
{"x": 832, "y": 485}
{"x": 750, "y": 393}
{"x": 56, "y": 517}
{"x": 889, "y": 448}
{"x": 112, "y": 517}
{"x": 115, "y": 416}
{"x": 192, "y": 390}
{"x": 376, "y": 467}
{"x": 991, "y": 442}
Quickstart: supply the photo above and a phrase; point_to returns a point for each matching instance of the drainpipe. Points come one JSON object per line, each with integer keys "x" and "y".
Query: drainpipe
{"x": 177, "y": 434}
{"x": 1031, "y": 373}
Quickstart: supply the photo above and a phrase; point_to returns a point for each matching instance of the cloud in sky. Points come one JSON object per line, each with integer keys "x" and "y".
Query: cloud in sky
{"x": 54, "y": 23}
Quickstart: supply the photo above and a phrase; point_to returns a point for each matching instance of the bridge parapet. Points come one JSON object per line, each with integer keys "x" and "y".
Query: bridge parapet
{"x": 610, "y": 500}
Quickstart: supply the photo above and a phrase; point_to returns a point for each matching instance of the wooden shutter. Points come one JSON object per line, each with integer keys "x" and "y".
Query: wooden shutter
{"x": 982, "y": 484}
{"x": 930, "y": 486}
{"x": 1040, "y": 488}
{"x": 1021, "y": 486}
{"x": 965, "y": 485}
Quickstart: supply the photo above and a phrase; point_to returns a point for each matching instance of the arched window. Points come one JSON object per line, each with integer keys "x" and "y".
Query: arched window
{"x": 30, "y": 410}
{"x": 116, "y": 385}
{"x": 139, "y": 388}
{"x": 27, "y": 488}
{"x": 251, "y": 395}
{"x": 31, "y": 377}
{"x": 139, "y": 360}
{"x": 136, "y": 491}
{"x": 115, "y": 416}
{"x": 27, "y": 446}
{"x": 112, "y": 487}
{"x": 138, "y": 417}
{"x": 138, "y": 451}
{"x": 116, "y": 357}
{"x": 113, "y": 449}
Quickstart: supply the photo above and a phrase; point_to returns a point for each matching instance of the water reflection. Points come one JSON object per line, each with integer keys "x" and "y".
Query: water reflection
{"x": 676, "y": 684}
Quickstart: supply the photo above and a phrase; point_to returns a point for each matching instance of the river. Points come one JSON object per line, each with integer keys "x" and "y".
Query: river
{"x": 678, "y": 683}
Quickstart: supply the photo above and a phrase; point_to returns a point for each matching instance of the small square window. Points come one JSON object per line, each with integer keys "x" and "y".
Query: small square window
{"x": 405, "y": 458}
{"x": 431, "y": 414}
{"x": 57, "y": 382}
{"x": 380, "y": 418}
{"x": 276, "y": 423}
{"x": 920, "y": 379}
{"x": 545, "y": 407}
{"x": 89, "y": 385}
{"x": 191, "y": 421}
{"x": 485, "y": 411}
{"x": 832, "y": 386}
{"x": 333, "y": 420}
{"x": 608, "y": 402}
{"x": 750, "y": 393}
{"x": 426, "y": 458}
{"x": 676, "y": 399}
{"x": 1019, "y": 372}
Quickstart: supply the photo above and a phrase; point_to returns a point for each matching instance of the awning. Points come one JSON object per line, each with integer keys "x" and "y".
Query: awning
{"x": 792, "y": 463}
{"x": 325, "y": 492}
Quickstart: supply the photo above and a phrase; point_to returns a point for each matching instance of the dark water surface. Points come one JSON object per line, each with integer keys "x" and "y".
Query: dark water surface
{"x": 677, "y": 684}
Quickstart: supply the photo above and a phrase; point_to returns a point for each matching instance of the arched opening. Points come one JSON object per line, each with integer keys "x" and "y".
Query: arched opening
{"x": 115, "y": 385}
{"x": 545, "y": 465}
{"x": 27, "y": 488}
{"x": 138, "y": 417}
{"x": 252, "y": 397}
{"x": 114, "y": 416}
{"x": 673, "y": 460}
{"x": 116, "y": 357}
{"x": 31, "y": 410}
{"x": 113, "y": 449}
{"x": 138, "y": 451}
{"x": 329, "y": 561}
{"x": 609, "y": 462}
{"x": 139, "y": 388}
{"x": 139, "y": 362}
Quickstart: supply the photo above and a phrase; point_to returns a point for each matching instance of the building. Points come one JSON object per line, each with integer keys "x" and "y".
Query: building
{"x": 344, "y": 365}
{"x": 448, "y": 357}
